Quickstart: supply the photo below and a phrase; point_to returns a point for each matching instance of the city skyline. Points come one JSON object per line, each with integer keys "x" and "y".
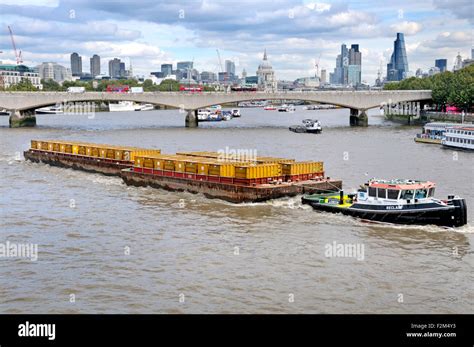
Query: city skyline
{"x": 294, "y": 33}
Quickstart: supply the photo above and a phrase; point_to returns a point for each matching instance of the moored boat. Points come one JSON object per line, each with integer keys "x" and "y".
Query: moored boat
{"x": 394, "y": 201}
{"x": 433, "y": 132}
{"x": 57, "y": 109}
{"x": 145, "y": 107}
{"x": 312, "y": 126}
{"x": 460, "y": 137}
{"x": 287, "y": 108}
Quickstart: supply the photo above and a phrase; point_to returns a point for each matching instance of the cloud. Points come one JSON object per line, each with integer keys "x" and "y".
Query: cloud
{"x": 463, "y": 9}
{"x": 408, "y": 28}
{"x": 295, "y": 32}
{"x": 449, "y": 40}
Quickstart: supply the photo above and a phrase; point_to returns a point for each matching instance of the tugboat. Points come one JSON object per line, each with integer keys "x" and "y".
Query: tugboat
{"x": 394, "y": 201}
{"x": 312, "y": 126}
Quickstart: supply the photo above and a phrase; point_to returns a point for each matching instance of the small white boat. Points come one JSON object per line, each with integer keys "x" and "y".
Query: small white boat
{"x": 57, "y": 109}
{"x": 145, "y": 107}
{"x": 287, "y": 108}
{"x": 122, "y": 106}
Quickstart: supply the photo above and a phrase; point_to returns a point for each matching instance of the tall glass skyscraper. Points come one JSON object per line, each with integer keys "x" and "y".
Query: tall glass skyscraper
{"x": 348, "y": 66}
{"x": 397, "y": 69}
{"x": 441, "y": 64}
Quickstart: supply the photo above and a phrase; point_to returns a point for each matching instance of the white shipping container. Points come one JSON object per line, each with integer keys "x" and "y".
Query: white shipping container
{"x": 136, "y": 90}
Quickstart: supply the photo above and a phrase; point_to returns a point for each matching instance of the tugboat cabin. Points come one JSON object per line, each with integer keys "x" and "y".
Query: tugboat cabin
{"x": 408, "y": 191}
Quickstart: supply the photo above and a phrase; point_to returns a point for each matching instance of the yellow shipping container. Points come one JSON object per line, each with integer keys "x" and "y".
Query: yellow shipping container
{"x": 257, "y": 171}
{"x": 301, "y": 168}
{"x": 148, "y": 163}
{"x": 169, "y": 164}
{"x": 138, "y": 162}
{"x": 191, "y": 167}
{"x": 222, "y": 169}
{"x": 179, "y": 165}
{"x": 65, "y": 148}
{"x": 44, "y": 146}
{"x": 290, "y": 168}
{"x": 158, "y": 164}
{"x": 118, "y": 154}
{"x": 203, "y": 169}
{"x": 102, "y": 152}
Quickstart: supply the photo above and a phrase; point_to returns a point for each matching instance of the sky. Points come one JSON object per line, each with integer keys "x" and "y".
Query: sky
{"x": 296, "y": 34}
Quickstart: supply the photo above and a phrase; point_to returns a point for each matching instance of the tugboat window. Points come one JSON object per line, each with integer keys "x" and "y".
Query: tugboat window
{"x": 393, "y": 194}
{"x": 407, "y": 194}
{"x": 431, "y": 193}
{"x": 382, "y": 193}
{"x": 421, "y": 194}
{"x": 372, "y": 192}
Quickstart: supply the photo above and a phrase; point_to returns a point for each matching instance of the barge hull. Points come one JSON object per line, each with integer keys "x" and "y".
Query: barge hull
{"x": 229, "y": 192}
{"x": 108, "y": 167}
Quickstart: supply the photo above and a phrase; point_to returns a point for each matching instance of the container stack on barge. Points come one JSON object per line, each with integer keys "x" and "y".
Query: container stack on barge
{"x": 91, "y": 157}
{"x": 209, "y": 173}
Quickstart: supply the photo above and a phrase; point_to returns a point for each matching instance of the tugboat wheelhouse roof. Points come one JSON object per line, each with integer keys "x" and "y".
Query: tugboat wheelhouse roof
{"x": 401, "y": 184}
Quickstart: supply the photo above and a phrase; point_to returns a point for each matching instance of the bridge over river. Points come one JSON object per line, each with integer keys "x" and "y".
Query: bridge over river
{"x": 22, "y": 104}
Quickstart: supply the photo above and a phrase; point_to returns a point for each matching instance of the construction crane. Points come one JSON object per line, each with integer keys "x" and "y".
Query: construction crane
{"x": 221, "y": 67}
{"x": 219, "y": 59}
{"x": 19, "y": 59}
{"x": 317, "y": 65}
{"x": 190, "y": 72}
{"x": 2, "y": 82}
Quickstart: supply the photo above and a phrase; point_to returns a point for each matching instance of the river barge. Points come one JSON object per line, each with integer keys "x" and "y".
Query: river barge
{"x": 394, "y": 201}
{"x": 212, "y": 174}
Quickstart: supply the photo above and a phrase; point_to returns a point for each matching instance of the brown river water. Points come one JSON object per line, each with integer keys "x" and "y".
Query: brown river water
{"x": 104, "y": 247}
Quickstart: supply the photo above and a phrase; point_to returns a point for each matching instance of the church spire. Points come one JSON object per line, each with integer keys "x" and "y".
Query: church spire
{"x": 265, "y": 54}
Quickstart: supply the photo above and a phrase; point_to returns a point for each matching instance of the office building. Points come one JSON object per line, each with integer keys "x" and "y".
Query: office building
{"x": 54, "y": 71}
{"x": 76, "y": 64}
{"x": 95, "y": 65}
{"x": 167, "y": 69}
{"x": 397, "y": 69}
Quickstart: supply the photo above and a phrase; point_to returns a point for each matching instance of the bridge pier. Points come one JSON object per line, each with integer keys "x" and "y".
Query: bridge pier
{"x": 191, "y": 119}
{"x": 358, "y": 119}
{"x": 19, "y": 119}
